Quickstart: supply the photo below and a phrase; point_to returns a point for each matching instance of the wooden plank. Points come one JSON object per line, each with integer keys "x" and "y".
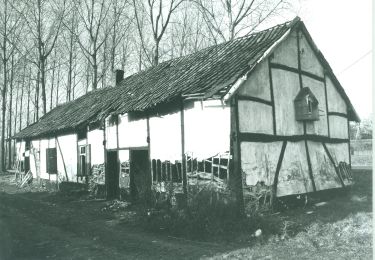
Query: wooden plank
{"x": 291, "y": 69}
{"x": 326, "y": 100}
{"x": 272, "y": 96}
{"x": 310, "y": 167}
{"x": 255, "y": 99}
{"x": 278, "y": 166}
{"x": 255, "y": 137}
{"x": 338, "y": 114}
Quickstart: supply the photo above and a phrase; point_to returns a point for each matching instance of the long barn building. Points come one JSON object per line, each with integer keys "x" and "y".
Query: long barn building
{"x": 262, "y": 113}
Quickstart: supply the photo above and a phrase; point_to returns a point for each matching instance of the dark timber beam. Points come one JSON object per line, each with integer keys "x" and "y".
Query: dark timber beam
{"x": 256, "y": 137}
{"x": 272, "y": 95}
{"x": 255, "y": 99}
{"x": 294, "y": 70}
{"x": 235, "y": 179}
{"x": 310, "y": 167}
{"x": 278, "y": 167}
{"x": 337, "y": 114}
{"x": 326, "y": 100}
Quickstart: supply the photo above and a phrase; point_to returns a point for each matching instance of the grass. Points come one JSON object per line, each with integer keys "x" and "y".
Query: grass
{"x": 339, "y": 229}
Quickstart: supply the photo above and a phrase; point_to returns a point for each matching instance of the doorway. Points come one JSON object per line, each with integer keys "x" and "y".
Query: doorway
{"x": 140, "y": 176}
{"x": 112, "y": 175}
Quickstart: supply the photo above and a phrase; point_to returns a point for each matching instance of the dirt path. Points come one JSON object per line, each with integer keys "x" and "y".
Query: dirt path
{"x": 42, "y": 225}
{"x": 35, "y": 226}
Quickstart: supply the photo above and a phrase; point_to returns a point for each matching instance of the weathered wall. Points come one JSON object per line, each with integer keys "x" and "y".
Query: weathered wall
{"x": 132, "y": 133}
{"x": 258, "y": 162}
{"x": 294, "y": 172}
{"x": 165, "y": 136}
{"x": 275, "y": 84}
{"x": 67, "y": 150}
{"x": 286, "y": 87}
{"x": 338, "y": 125}
{"x": 207, "y": 129}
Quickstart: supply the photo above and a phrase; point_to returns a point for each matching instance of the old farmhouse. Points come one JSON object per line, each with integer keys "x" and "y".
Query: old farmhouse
{"x": 262, "y": 113}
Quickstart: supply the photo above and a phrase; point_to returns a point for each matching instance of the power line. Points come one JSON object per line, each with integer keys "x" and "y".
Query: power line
{"x": 356, "y": 61}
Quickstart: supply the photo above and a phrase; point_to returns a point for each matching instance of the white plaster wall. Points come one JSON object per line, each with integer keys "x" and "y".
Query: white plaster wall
{"x": 165, "y": 137}
{"x": 286, "y": 87}
{"x": 286, "y": 52}
{"x": 335, "y": 102}
{"x": 132, "y": 133}
{"x": 34, "y": 157}
{"x": 294, "y": 172}
{"x": 67, "y": 149}
{"x": 338, "y": 127}
{"x": 20, "y": 149}
{"x": 319, "y": 127}
{"x": 259, "y": 161}
{"x": 43, "y": 169}
{"x": 324, "y": 173}
{"x": 95, "y": 139}
{"x": 309, "y": 61}
{"x": 257, "y": 85}
{"x": 207, "y": 129}
{"x": 255, "y": 117}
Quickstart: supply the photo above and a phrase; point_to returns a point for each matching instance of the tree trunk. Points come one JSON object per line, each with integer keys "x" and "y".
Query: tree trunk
{"x": 28, "y": 100}
{"x": 3, "y": 113}
{"x": 21, "y": 98}
{"x": 43, "y": 82}
{"x": 10, "y": 113}
{"x": 58, "y": 86}
{"x": 36, "y": 111}
{"x": 52, "y": 82}
{"x": 95, "y": 79}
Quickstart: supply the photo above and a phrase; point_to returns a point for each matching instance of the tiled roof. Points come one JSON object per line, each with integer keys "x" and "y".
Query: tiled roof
{"x": 209, "y": 71}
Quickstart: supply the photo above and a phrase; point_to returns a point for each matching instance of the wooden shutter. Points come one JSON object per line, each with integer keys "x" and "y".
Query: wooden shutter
{"x": 51, "y": 160}
{"x": 88, "y": 159}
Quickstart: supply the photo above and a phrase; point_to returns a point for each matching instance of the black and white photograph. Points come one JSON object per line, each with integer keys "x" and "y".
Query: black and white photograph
{"x": 186, "y": 129}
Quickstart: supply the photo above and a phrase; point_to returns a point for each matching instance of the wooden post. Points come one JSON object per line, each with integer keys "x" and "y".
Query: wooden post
{"x": 236, "y": 179}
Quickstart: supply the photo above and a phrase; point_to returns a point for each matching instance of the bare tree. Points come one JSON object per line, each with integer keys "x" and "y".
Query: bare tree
{"x": 228, "y": 19}
{"x": 44, "y": 19}
{"x": 9, "y": 32}
{"x": 159, "y": 16}
{"x": 94, "y": 31}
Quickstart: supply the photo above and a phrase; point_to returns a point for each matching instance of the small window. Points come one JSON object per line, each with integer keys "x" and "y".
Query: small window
{"x": 84, "y": 162}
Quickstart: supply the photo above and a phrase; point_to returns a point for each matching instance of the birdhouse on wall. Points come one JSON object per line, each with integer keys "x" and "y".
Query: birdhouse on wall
{"x": 306, "y": 106}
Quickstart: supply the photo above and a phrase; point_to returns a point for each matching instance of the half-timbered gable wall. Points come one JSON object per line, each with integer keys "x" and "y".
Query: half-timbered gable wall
{"x": 279, "y": 153}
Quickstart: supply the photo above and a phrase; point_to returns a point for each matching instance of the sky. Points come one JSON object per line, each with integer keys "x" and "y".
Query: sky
{"x": 342, "y": 30}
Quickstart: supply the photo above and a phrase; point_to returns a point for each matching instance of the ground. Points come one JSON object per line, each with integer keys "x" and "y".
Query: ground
{"x": 36, "y": 224}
